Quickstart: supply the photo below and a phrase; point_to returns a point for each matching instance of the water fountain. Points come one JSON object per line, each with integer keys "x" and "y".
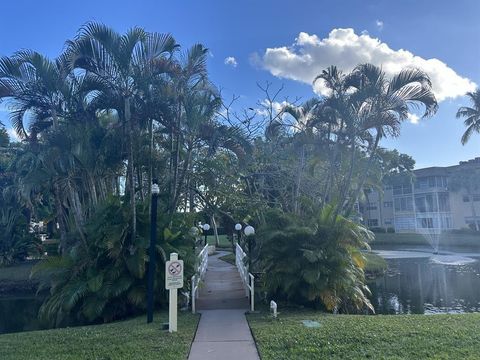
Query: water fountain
{"x": 432, "y": 235}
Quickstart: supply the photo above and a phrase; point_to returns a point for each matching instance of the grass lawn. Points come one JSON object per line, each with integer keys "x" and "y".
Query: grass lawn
{"x": 364, "y": 336}
{"x": 222, "y": 239}
{"x": 124, "y": 340}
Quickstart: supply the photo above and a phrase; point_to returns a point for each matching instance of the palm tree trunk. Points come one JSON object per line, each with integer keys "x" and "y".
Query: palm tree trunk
{"x": 365, "y": 173}
{"x": 348, "y": 180}
{"x": 60, "y": 218}
{"x": 331, "y": 170}
{"x": 215, "y": 230}
{"x": 130, "y": 169}
{"x": 299, "y": 180}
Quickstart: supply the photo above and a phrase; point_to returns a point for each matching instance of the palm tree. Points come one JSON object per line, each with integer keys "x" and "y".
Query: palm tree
{"x": 117, "y": 67}
{"x": 303, "y": 115}
{"x": 471, "y": 115}
{"x": 34, "y": 87}
{"x": 380, "y": 105}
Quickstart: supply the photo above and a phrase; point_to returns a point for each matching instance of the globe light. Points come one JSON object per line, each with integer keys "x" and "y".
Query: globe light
{"x": 206, "y": 227}
{"x": 194, "y": 231}
{"x": 238, "y": 227}
{"x": 249, "y": 230}
{"x": 155, "y": 189}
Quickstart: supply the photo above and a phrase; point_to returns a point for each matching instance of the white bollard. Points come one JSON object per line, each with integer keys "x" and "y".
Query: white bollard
{"x": 273, "y": 307}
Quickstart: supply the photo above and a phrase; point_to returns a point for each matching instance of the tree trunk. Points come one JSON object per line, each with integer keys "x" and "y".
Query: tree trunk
{"x": 60, "y": 218}
{"x": 299, "y": 180}
{"x": 365, "y": 173}
{"x": 78, "y": 217}
{"x": 131, "y": 169}
{"x": 215, "y": 230}
{"x": 348, "y": 180}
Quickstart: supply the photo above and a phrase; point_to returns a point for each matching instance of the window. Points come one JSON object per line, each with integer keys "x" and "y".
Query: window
{"x": 388, "y": 204}
{"x": 476, "y": 197}
{"x": 404, "y": 204}
{"x": 372, "y": 206}
{"x": 427, "y": 223}
{"x": 388, "y": 222}
{"x": 397, "y": 190}
{"x": 425, "y": 203}
{"x": 404, "y": 223}
{"x": 466, "y": 198}
{"x": 372, "y": 222}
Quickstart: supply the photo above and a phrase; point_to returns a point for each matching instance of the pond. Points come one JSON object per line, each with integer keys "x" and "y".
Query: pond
{"x": 19, "y": 313}
{"x": 418, "y": 282}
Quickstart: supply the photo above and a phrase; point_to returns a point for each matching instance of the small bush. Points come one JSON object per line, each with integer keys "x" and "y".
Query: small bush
{"x": 316, "y": 264}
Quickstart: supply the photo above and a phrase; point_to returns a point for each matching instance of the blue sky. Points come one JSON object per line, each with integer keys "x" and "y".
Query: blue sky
{"x": 430, "y": 29}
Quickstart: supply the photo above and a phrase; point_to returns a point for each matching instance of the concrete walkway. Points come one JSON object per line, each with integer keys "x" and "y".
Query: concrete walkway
{"x": 223, "y": 331}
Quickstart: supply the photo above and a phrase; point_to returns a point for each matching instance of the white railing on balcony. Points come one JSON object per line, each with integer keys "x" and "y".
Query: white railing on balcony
{"x": 247, "y": 278}
{"x": 202, "y": 261}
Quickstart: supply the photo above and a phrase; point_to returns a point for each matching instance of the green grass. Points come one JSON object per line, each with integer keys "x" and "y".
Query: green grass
{"x": 125, "y": 340}
{"x": 447, "y": 239}
{"x": 366, "y": 336}
{"x": 222, "y": 240}
{"x": 375, "y": 264}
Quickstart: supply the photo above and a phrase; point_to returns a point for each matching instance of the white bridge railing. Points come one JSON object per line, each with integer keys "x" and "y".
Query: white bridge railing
{"x": 199, "y": 274}
{"x": 247, "y": 278}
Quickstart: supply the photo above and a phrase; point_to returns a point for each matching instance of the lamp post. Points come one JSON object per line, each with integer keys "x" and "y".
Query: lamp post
{"x": 206, "y": 227}
{"x": 238, "y": 228}
{"x": 249, "y": 231}
{"x": 153, "y": 240}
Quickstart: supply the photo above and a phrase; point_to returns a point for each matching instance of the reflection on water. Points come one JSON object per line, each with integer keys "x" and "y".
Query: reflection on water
{"x": 19, "y": 314}
{"x": 421, "y": 286}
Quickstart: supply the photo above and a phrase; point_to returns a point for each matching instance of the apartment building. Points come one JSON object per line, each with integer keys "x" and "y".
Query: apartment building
{"x": 426, "y": 203}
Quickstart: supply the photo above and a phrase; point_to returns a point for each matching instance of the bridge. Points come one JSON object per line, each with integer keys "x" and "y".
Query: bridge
{"x": 222, "y": 298}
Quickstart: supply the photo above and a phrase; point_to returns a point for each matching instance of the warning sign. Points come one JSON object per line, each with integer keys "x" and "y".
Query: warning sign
{"x": 174, "y": 274}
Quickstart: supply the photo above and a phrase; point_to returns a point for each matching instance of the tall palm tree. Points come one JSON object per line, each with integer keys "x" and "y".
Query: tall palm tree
{"x": 117, "y": 68}
{"x": 471, "y": 115}
{"x": 303, "y": 115}
{"x": 381, "y": 105}
{"x": 42, "y": 94}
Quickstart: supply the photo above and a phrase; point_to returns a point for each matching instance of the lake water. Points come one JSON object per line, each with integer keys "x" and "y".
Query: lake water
{"x": 418, "y": 282}
{"x": 19, "y": 313}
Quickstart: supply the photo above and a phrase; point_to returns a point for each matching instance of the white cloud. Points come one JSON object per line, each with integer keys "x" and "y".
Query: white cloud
{"x": 413, "y": 118}
{"x": 13, "y": 135}
{"x": 230, "y": 60}
{"x": 379, "y": 24}
{"x": 309, "y": 55}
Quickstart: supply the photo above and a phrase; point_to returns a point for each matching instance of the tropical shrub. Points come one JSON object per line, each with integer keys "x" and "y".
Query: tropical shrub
{"x": 318, "y": 264}
{"x": 16, "y": 242}
{"x": 105, "y": 278}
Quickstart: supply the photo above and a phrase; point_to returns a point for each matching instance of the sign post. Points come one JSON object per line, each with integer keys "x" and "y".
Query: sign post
{"x": 173, "y": 281}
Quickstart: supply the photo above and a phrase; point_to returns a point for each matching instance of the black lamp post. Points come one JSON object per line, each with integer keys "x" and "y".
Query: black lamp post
{"x": 249, "y": 232}
{"x": 205, "y": 227}
{"x": 153, "y": 240}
